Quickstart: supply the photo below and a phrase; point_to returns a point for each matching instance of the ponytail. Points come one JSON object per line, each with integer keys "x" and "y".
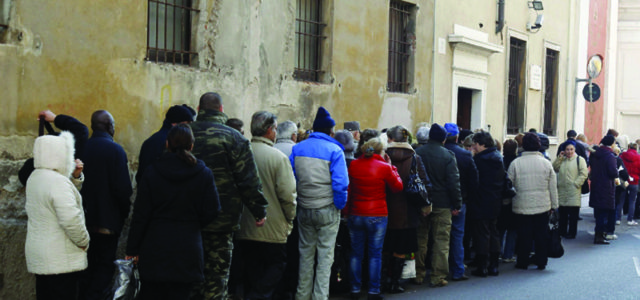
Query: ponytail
{"x": 180, "y": 141}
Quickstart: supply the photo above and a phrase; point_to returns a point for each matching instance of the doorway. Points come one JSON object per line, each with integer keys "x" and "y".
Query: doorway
{"x": 464, "y": 107}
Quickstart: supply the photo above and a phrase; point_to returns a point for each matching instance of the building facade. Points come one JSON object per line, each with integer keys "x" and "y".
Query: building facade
{"x": 481, "y": 64}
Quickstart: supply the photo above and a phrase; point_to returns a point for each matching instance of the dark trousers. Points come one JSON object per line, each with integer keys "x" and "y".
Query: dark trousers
{"x": 486, "y": 239}
{"x": 95, "y": 280}
{"x": 151, "y": 290}
{"x": 568, "y": 216}
{"x": 533, "y": 230}
{"x": 605, "y": 220}
{"x": 264, "y": 264}
{"x": 59, "y": 286}
{"x": 286, "y": 289}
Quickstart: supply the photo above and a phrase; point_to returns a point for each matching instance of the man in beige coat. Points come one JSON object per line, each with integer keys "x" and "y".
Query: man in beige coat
{"x": 264, "y": 248}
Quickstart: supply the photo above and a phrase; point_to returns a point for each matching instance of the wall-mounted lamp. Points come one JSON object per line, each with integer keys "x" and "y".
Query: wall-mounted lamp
{"x": 537, "y": 7}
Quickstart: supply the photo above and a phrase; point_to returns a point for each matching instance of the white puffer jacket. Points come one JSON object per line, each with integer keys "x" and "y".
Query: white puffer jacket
{"x": 56, "y": 226}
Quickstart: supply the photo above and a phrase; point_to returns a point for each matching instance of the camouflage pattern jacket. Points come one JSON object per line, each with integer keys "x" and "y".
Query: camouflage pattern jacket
{"x": 228, "y": 154}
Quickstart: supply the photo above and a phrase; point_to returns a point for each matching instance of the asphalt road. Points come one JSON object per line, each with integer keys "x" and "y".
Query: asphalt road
{"x": 586, "y": 271}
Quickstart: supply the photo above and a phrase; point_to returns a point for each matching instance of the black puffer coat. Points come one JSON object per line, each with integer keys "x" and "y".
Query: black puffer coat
{"x": 486, "y": 202}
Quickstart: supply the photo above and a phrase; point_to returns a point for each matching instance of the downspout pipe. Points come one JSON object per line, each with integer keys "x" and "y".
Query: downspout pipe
{"x": 500, "y": 22}
{"x": 433, "y": 63}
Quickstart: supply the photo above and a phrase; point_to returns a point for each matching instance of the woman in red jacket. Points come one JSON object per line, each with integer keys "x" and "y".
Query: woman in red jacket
{"x": 369, "y": 177}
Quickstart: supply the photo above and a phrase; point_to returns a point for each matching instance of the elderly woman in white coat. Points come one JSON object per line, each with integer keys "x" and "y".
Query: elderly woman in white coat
{"x": 572, "y": 172}
{"x": 57, "y": 238}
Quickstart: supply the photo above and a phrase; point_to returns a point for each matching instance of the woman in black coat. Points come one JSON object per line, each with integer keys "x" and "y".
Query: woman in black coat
{"x": 176, "y": 198}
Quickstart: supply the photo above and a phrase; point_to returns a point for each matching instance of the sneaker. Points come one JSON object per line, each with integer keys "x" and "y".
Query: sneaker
{"x": 508, "y": 260}
{"x": 632, "y": 223}
{"x": 618, "y": 222}
{"x": 611, "y": 237}
{"x": 440, "y": 283}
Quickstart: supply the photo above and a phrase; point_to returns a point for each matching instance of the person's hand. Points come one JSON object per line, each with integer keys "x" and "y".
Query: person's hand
{"x": 617, "y": 181}
{"x": 135, "y": 258}
{"x": 78, "y": 171}
{"x": 455, "y": 212}
{"x": 48, "y": 115}
{"x": 260, "y": 222}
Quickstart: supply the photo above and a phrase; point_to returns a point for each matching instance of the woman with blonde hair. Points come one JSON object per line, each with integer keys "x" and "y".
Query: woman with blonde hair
{"x": 370, "y": 176}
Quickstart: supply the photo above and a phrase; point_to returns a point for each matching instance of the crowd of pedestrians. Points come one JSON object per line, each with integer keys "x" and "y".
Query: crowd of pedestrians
{"x": 283, "y": 214}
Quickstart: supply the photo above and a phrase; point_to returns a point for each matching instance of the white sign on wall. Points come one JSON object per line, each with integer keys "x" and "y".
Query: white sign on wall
{"x": 535, "y": 78}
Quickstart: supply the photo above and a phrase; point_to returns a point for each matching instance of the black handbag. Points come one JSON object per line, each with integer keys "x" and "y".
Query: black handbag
{"x": 414, "y": 188}
{"x": 556, "y": 250}
{"x": 508, "y": 190}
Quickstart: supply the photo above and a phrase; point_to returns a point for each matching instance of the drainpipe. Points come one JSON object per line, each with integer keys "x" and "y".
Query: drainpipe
{"x": 433, "y": 64}
{"x": 500, "y": 22}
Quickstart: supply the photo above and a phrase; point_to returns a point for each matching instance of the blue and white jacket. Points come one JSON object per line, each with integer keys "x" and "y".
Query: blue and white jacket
{"x": 321, "y": 172}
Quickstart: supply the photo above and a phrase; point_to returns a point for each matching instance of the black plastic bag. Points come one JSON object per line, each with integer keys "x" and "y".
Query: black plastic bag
{"x": 127, "y": 283}
{"x": 556, "y": 250}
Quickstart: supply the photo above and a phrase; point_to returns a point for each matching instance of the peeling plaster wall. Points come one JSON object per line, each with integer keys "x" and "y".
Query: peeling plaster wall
{"x": 77, "y": 57}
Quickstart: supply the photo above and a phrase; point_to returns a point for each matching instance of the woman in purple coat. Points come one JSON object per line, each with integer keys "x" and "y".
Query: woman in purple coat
{"x": 602, "y": 196}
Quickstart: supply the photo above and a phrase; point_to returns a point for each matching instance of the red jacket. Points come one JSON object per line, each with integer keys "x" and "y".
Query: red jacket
{"x": 631, "y": 160}
{"x": 369, "y": 178}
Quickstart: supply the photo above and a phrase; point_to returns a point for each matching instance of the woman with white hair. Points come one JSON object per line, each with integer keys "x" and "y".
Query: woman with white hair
{"x": 57, "y": 237}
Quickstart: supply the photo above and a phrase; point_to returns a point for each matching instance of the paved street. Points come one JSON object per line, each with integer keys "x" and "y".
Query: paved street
{"x": 586, "y": 271}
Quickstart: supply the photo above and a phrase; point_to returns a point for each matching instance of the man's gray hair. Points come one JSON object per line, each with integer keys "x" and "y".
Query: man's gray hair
{"x": 286, "y": 129}
{"x": 261, "y": 122}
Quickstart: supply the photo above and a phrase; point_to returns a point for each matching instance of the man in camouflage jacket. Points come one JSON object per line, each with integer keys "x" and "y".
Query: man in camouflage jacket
{"x": 228, "y": 154}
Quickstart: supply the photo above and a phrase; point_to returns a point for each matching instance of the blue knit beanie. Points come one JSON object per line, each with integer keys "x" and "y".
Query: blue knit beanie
{"x": 323, "y": 119}
{"x": 452, "y": 129}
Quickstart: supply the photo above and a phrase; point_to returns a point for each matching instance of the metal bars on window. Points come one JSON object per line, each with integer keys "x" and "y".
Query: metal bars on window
{"x": 169, "y": 31}
{"x": 515, "y": 104}
{"x": 399, "y": 47}
{"x": 550, "y": 92}
{"x": 308, "y": 40}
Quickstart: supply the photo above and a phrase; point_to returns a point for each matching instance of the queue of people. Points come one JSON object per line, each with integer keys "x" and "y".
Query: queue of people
{"x": 211, "y": 203}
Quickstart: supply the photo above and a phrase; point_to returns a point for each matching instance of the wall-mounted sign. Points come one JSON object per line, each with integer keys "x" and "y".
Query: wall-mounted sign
{"x": 591, "y": 92}
{"x": 535, "y": 78}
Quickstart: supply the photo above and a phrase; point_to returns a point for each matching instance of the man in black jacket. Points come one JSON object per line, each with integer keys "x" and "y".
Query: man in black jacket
{"x": 468, "y": 182}
{"x": 442, "y": 169}
{"x": 154, "y": 146}
{"x": 105, "y": 198}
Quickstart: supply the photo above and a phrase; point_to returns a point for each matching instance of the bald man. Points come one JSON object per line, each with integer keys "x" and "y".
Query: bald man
{"x": 105, "y": 197}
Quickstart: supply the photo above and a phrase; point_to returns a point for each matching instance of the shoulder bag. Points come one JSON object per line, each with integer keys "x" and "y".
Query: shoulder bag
{"x": 414, "y": 187}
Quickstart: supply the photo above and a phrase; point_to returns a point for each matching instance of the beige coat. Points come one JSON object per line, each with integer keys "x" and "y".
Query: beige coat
{"x": 570, "y": 179}
{"x": 56, "y": 225}
{"x": 535, "y": 183}
{"x": 279, "y": 187}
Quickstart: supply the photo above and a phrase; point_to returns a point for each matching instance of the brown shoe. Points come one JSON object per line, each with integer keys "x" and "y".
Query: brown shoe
{"x": 440, "y": 283}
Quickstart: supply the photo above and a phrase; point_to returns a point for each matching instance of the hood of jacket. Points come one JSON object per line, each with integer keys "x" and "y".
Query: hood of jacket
{"x": 602, "y": 152}
{"x": 171, "y": 167}
{"x": 55, "y": 153}
{"x": 399, "y": 152}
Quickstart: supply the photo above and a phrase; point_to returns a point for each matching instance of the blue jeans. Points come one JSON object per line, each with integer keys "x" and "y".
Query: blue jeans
{"x": 632, "y": 193}
{"x": 605, "y": 220}
{"x": 508, "y": 244}
{"x": 370, "y": 230}
{"x": 456, "y": 249}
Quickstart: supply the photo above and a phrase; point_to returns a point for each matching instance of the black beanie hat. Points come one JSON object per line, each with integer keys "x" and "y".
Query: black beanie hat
{"x": 323, "y": 119}
{"x": 177, "y": 114}
{"x": 608, "y": 140}
{"x": 437, "y": 133}
{"x": 531, "y": 142}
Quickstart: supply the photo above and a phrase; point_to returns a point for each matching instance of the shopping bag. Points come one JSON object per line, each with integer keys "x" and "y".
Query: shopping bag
{"x": 127, "y": 283}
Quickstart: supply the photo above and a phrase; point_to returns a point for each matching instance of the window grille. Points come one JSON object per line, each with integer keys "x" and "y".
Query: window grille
{"x": 169, "y": 31}
{"x": 309, "y": 38}
{"x": 550, "y": 92}
{"x": 400, "y": 43}
{"x": 517, "y": 70}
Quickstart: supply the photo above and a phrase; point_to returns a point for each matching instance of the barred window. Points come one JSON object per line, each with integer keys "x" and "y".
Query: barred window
{"x": 309, "y": 39}
{"x": 550, "y": 92}
{"x": 517, "y": 70}
{"x": 401, "y": 43}
{"x": 4, "y": 15}
{"x": 169, "y": 31}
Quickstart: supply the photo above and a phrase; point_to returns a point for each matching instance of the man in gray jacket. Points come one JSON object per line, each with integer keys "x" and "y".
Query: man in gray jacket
{"x": 264, "y": 248}
{"x": 442, "y": 169}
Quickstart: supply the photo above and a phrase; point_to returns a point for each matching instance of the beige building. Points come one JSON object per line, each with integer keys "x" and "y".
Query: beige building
{"x": 380, "y": 62}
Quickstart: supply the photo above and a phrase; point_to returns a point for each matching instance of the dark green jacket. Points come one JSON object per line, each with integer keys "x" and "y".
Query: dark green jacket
{"x": 228, "y": 154}
{"x": 442, "y": 169}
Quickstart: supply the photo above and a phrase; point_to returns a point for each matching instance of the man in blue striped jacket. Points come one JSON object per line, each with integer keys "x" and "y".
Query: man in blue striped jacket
{"x": 322, "y": 180}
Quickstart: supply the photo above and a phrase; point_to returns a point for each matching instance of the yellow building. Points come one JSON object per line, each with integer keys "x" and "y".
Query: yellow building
{"x": 381, "y": 62}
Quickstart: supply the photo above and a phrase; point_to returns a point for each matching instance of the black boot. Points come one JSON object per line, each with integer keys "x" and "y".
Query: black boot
{"x": 493, "y": 264}
{"x": 396, "y": 265}
{"x": 481, "y": 263}
{"x": 599, "y": 239}
{"x": 375, "y": 297}
{"x": 385, "y": 273}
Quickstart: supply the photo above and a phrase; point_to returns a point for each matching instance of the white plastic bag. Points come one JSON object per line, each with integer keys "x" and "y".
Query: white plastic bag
{"x": 409, "y": 270}
{"x": 127, "y": 284}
